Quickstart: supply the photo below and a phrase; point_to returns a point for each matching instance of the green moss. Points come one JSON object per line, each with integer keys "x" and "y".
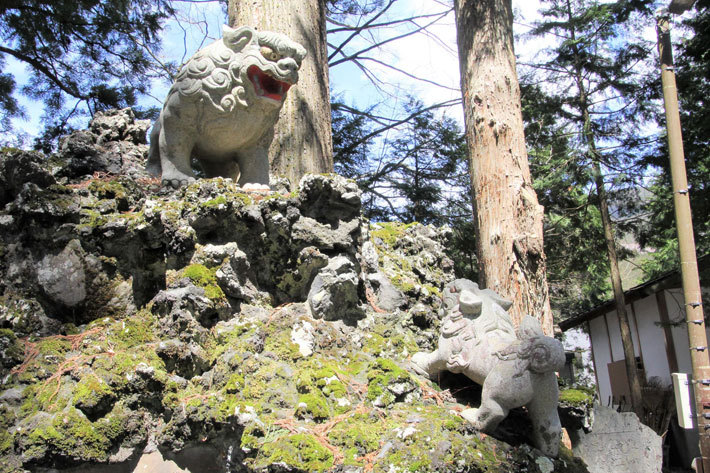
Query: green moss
{"x": 389, "y": 232}
{"x": 7, "y": 440}
{"x": 433, "y": 290}
{"x": 267, "y": 385}
{"x": 453, "y": 423}
{"x": 360, "y": 435}
{"x": 34, "y": 399}
{"x": 577, "y": 397}
{"x": 280, "y": 343}
{"x": 236, "y": 338}
{"x": 299, "y": 451}
{"x": 70, "y": 329}
{"x": 235, "y": 383}
{"x": 383, "y": 373}
{"x": 206, "y": 278}
{"x": 216, "y": 202}
{"x": 114, "y": 424}
{"x": 313, "y": 405}
{"x": 108, "y": 189}
{"x": 69, "y": 434}
{"x": 374, "y": 343}
{"x": 133, "y": 331}
{"x": 251, "y": 437}
{"x": 323, "y": 382}
{"x": 12, "y": 347}
{"x": 53, "y": 347}
{"x": 91, "y": 391}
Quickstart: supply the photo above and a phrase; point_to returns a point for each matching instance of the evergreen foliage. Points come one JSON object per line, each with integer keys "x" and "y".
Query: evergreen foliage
{"x": 84, "y": 55}
{"x": 416, "y": 173}
{"x": 658, "y": 232}
{"x": 578, "y": 276}
{"x": 587, "y": 118}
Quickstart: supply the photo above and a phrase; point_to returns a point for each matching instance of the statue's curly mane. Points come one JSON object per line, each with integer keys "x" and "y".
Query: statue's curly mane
{"x": 215, "y": 74}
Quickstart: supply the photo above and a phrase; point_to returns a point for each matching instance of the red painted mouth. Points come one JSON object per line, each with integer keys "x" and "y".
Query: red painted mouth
{"x": 267, "y": 86}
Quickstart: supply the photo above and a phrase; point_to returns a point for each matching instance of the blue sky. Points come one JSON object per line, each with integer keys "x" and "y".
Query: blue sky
{"x": 431, "y": 56}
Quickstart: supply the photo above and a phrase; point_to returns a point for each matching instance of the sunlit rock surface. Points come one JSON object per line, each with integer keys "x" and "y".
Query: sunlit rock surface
{"x": 212, "y": 329}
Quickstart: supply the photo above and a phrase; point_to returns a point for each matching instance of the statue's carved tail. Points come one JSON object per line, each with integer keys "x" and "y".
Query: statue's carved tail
{"x": 541, "y": 353}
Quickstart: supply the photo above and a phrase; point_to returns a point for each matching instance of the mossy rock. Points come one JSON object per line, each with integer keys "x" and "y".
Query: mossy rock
{"x": 93, "y": 396}
{"x": 387, "y": 383}
{"x": 206, "y": 278}
{"x": 577, "y": 397}
{"x": 300, "y": 451}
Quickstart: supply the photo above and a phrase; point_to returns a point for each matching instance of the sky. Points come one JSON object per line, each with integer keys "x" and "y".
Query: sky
{"x": 431, "y": 56}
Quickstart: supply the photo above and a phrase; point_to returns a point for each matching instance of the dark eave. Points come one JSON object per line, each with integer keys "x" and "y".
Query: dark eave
{"x": 667, "y": 280}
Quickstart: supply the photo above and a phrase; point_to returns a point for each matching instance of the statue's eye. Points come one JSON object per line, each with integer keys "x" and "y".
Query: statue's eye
{"x": 270, "y": 54}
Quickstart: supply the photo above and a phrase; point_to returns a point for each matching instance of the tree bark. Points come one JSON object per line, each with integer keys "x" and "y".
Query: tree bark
{"x": 620, "y": 303}
{"x": 303, "y": 136}
{"x": 507, "y": 216}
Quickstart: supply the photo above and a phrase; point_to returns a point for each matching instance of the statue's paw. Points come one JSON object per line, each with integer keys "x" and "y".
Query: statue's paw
{"x": 254, "y": 187}
{"x": 418, "y": 362}
{"x": 177, "y": 183}
{"x": 471, "y": 416}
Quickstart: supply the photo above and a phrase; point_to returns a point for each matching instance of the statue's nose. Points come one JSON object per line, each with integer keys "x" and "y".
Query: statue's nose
{"x": 288, "y": 64}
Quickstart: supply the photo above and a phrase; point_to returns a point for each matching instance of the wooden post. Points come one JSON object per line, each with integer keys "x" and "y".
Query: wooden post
{"x": 697, "y": 337}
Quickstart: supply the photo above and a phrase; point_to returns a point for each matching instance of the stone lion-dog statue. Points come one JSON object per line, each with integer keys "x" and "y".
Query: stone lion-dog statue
{"x": 222, "y": 109}
{"x": 478, "y": 339}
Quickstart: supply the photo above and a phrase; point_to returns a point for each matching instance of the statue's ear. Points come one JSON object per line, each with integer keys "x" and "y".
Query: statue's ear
{"x": 504, "y": 303}
{"x": 237, "y": 39}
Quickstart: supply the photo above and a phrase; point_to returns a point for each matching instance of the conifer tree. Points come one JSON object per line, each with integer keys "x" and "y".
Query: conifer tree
{"x": 83, "y": 55}
{"x": 594, "y": 71}
{"x": 507, "y": 216}
{"x": 658, "y": 232}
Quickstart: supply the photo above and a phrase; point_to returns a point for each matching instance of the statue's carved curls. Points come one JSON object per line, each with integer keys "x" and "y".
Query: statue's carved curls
{"x": 515, "y": 369}
{"x": 223, "y": 106}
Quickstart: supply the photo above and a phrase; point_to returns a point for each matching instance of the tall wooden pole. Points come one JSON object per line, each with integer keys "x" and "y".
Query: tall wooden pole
{"x": 697, "y": 336}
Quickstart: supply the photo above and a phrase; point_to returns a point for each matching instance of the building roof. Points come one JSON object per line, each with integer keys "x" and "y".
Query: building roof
{"x": 668, "y": 280}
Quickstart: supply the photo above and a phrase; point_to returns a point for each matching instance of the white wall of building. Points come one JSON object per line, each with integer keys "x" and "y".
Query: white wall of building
{"x": 655, "y": 357}
{"x": 606, "y": 340}
{"x": 602, "y": 357}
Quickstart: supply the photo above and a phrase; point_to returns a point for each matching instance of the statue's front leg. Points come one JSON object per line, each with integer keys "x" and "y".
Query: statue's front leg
{"x": 176, "y": 141}
{"x": 428, "y": 364}
{"x": 254, "y": 168}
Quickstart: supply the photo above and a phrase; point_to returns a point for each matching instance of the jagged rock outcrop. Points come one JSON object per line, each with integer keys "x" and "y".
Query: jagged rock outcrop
{"x": 258, "y": 331}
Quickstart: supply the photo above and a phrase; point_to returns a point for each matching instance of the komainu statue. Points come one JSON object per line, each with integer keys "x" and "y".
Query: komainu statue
{"x": 223, "y": 106}
{"x": 478, "y": 339}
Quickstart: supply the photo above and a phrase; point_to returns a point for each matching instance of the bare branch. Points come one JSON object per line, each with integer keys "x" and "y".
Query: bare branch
{"x": 357, "y": 54}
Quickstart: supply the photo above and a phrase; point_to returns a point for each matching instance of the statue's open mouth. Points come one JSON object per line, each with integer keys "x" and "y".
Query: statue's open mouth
{"x": 267, "y": 86}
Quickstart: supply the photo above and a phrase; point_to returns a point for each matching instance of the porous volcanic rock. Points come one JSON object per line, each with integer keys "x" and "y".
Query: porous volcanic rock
{"x": 257, "y": 332}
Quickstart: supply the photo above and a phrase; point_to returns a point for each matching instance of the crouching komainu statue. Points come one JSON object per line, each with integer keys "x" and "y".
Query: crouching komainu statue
{"x": 478, "y": 339}
{"x": 223, "y": 106}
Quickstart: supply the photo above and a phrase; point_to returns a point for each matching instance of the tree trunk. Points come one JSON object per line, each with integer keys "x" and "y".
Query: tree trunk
{"x": 626, "y": 340}
{"x": 507, "y": 216}
{"x": 303, "y": 137}
{"x": 619, "y": 301}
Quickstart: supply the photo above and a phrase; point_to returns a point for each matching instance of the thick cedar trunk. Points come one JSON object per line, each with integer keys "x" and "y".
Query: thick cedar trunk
{"x": 303, "y": 138}
{"x": 507, "y": 215}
